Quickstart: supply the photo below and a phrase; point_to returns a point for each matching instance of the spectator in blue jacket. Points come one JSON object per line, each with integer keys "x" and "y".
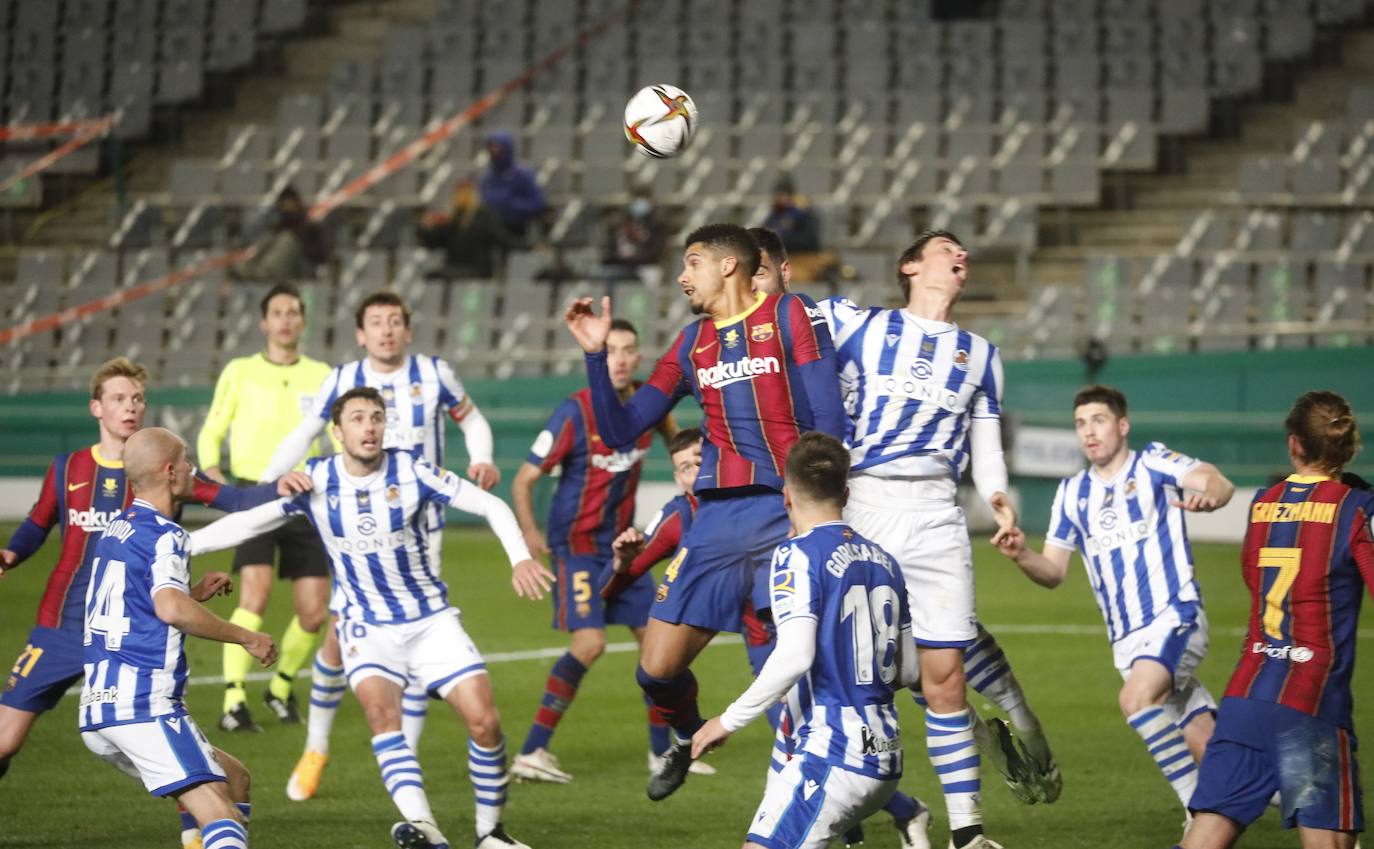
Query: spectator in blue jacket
{"x": 793, "y": 220}
{"x": 508, "y": 188}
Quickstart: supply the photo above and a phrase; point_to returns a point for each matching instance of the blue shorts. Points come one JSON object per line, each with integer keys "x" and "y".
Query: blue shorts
{"x": 577, "y": 601}
{"x": 713, "y": 573}
{"x": 46, "y": 668}
{"x": 1259, "y": 747}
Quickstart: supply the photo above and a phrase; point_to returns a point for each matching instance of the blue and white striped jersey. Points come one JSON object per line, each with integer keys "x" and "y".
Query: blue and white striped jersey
{"x": 374, "y": 531}
{"x": 1134, "y": 543}
{"x": 417, "y": 395}
{"x": 135, "y": 666}
{"x": 911, "y": 387}
{"x": 842, "y": 710}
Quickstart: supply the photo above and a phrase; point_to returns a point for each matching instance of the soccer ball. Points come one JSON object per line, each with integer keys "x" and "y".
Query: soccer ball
{"x": 660, "y": 121}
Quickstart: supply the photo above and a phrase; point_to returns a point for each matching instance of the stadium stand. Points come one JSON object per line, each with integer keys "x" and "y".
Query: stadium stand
{"x": 1166, "y": 175}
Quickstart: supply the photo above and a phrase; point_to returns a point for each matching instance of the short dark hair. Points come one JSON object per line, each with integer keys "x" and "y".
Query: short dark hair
{"x": 367, "y": 393}
{"x": 282, "y": 289}
{"x": 915, "y": 251}
{"x": 1102, "y": 394}
{"x": 381, "y": 299}
{"x": 770, "y": 242}
{"x": 1326, "y": 429}
{"x": 729, "y": 240}
{"x": 624, "y": 324}
{"x": 684, "y": 439}
{"x": 818, "y": 468}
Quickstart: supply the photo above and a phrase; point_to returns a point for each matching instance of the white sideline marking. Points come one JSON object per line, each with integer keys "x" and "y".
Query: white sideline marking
{"x": 735, "y": 639}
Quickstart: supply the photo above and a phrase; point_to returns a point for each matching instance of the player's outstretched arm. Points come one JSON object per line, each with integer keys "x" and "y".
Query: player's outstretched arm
{"x": 792, "y": 656}
{"x": 1048, "y": 569}
{"x": 293, "y": 448}
{"x": 481, "y": 445}
{"x": 1205, "y": 489}
{"x": 238, "y": 527}
{"x": 529, "y": 577}
{"x": 211, "y": 585}
{"x": 189, "y": 616}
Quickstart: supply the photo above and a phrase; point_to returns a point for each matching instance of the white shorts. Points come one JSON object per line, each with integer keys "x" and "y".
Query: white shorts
{"x": 168, "y": 754}
{"x": 918, "y": 523}
{"x": 1177, "y": 640}
{"x": 434, "y": 651}
{"x": 808, "y": 804}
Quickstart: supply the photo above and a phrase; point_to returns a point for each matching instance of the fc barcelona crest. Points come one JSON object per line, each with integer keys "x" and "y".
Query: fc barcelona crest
{"x": 762, "y": 332}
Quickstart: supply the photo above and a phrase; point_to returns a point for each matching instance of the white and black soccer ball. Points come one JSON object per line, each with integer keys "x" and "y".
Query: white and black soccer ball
{"x": 661, "y": 121}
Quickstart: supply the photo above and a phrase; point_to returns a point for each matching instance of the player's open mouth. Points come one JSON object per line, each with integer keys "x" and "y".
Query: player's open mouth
{"x": 960, "y": 269}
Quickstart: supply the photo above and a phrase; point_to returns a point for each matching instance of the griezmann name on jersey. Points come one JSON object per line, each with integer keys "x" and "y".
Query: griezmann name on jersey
{"x": 135, "y": 664}
{"x": 842, "y": 709}
{"x": 1308, "y": 549}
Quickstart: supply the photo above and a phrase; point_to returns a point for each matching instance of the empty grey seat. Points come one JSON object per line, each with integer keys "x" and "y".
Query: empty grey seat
{"x": 192, "y": 181}
{"x": 1076, "y": 181}
{"x": 243, "y": 182}
{"x": 279, "y": 16}
{"x": 178, "y": 81}
{"x": 353, "y": 143}
{"x": 1315, "y": 230}
{"x": 1184, "y": 110}
{"x": 1314, "y": 177}
{"x": 1262, "y": 176}
{"x": 300, "y": 110}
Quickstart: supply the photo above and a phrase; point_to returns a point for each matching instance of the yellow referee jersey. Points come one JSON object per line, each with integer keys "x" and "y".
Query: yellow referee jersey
{"x": 257, "y": 402}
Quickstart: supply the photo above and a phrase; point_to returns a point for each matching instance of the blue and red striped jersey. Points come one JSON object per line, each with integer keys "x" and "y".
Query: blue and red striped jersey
{"x": 1307, "y": 552}
{"x": 595, "y": 497}
{"x": 745, "y": 372}
{"x": 82, "y": 492}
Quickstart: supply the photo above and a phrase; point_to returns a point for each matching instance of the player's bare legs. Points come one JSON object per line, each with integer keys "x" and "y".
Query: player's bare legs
{"x": 950, "y": 740}
{"x": 327, "y": 688}
{"x": 1197, "y": 732}
{"x": 14, "y": 730}
{"x": 1142, "y": 698}
{"x": 216, "y": 808}
{"x": 381, "y": 701}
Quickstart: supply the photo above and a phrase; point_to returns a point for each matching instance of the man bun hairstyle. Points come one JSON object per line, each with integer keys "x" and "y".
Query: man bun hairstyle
{"x": 1326, "y": 430}
{"x": 818, "y": 468}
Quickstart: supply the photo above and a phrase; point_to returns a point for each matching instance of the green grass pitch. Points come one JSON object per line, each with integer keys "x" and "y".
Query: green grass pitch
{"x": 58, "y": 795}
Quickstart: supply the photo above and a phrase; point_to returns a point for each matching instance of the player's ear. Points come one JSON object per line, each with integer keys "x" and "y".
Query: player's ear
{"x": 786, "y": 498}
{"x": 910, "y": 268}
{"x": 1295, "y": 450}
{"x": 785, "y": 272}
{"x": 728, "y": 264}
{"x": 95, "y": 408}
{"x": 844, "y": 499}
{"x": 358, "y": 335}
{"x": 1123, "y": 427}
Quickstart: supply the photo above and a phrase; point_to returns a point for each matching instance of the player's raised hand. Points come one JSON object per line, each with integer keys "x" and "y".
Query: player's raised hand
{"x": 213, "y": 584}
{"x": 216, "y": 474}
{"x": 1004, "y": 513}
{"x": 261, "y": 647}
{"x": 1011, "y": 543}
{"x": 1195, "y": 501}
{"x": 626, "y": 547}
{"x": 710, "y": 736}
{"x": 294, "y": 483}
{"x": 589, "y": 329}
{"x": 485, "y": 475}
{"x": 8, "y": 560}
{"x": 531, "y": 579}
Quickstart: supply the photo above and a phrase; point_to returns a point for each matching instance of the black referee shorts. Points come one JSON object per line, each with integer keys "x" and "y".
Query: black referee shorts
{"x": 302, "y": 553}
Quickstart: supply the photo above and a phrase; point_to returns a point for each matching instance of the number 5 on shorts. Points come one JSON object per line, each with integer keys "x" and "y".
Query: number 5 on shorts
{"x": 1287, "y": 561}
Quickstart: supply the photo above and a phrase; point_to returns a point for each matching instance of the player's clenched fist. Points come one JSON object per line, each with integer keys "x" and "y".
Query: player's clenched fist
{"x": 261, "y": 647}
{"x": 1011, "y": 543}
{"x": 531, "y": 579}
{"x": 213, "y": 584}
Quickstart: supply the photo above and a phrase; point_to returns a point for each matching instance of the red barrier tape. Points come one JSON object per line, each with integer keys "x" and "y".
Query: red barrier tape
{"x": 322, "y": 208}
{"x": 83, "y": 137}
{"x": 122, "y": 296}
{"x": 53, "y": 130}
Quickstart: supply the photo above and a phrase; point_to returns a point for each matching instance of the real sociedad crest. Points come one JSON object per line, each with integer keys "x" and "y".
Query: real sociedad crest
{"x": 961, "y": 359}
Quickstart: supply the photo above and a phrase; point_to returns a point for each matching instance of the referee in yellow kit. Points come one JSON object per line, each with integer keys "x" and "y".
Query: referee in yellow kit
{"x": 258, "y": 401}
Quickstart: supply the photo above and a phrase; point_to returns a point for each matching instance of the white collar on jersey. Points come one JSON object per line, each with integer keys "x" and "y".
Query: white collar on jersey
{"x": 928, "y": 326}
{"x": 366, "y": 481}
{"x": 1116, "y": 478}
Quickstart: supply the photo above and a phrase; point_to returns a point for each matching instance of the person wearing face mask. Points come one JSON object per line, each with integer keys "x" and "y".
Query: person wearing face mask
{"x": 470, "y": 234}
{"x": 293, "y": 248}
{"x": 636, "y": 240}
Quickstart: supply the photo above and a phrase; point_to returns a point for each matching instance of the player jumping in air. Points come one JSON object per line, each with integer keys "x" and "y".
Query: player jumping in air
{"x": 419, "y": 392}
{"x": 138, "y": 610}
{"x": 763, "y": 373}
{"x": 1285, "y": 720}
{"x": 1124, "y": 514}
{"x": 594, "y": 501}
{"x": 394, "y": 621}
{"x": 844, "y": 644}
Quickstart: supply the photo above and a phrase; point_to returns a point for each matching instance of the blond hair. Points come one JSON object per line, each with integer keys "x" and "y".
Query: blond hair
{"x": 118, "y": 367}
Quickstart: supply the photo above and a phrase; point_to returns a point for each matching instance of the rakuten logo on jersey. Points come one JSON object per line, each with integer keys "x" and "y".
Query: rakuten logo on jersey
{"x": 1297, "y": 654}
{"x": 90, "y": 520}
{"x": 724, "y": 374}
{"x": 620, "y": 461}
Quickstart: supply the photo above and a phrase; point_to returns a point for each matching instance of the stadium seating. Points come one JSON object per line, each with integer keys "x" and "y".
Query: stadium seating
{"x": 885, "y": 118}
